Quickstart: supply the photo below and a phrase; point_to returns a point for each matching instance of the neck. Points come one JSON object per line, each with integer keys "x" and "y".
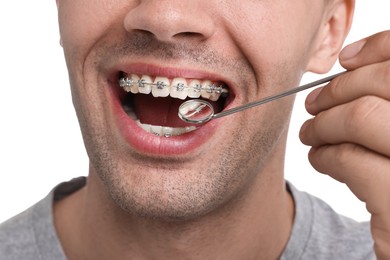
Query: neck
{"x": 255, "y": 226}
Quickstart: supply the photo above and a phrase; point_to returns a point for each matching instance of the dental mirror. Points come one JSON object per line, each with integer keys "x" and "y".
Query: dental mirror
{"x": 198, "y": 111}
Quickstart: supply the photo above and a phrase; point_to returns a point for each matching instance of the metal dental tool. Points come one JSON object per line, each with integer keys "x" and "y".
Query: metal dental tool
{"x": 198, "y": 111}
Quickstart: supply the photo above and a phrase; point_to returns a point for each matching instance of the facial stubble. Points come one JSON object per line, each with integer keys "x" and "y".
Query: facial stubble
{"x": 166, "y": 190}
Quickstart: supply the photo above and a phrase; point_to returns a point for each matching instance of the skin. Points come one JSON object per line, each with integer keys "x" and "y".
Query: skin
{"x": 226, "y": 198}
{"x": 356, "y": 150}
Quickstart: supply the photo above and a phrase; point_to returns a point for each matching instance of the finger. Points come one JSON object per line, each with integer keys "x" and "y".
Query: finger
{"x": 364, "y": 121}
{"x": 380, "y": 229}
{"x": 373, "y": 49}
{"x": 367, "y": 175}
{"x": 365, "y": 172}
{"x": 371, "y": 80}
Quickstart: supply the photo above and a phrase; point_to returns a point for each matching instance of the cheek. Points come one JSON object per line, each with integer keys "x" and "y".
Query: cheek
{"x": 82, "y": 23}
{"x": 272, "y": 32}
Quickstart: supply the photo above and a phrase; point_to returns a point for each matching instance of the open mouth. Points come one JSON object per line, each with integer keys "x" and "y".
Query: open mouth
{"x": 153, "y": 101}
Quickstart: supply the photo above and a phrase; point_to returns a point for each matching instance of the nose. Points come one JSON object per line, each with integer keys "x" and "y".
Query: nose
{"x": 170, "y": 20}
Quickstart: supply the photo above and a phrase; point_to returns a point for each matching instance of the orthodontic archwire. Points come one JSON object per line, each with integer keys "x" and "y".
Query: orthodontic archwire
{"x": 126, "y": 82}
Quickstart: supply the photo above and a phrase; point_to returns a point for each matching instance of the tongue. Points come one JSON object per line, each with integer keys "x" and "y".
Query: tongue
{"x": 158, "y": 111}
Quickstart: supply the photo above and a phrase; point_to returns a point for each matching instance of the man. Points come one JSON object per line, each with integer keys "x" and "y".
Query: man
{"x": 158, "y": 189}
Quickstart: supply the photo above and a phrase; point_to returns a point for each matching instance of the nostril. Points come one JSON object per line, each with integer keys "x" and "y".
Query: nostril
{"x": 144, "y": 33}
{"x": 188, "y": 35}
{"x": 172, "y": 20}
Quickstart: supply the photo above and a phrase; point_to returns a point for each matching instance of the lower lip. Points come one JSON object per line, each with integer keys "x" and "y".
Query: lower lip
{"x": 147, "y": 143}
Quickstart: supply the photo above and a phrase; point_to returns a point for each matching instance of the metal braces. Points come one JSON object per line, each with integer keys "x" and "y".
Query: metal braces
{"x": 127, "y": 82}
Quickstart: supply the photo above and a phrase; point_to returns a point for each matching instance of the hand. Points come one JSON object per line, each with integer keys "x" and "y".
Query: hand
{"x": 350, "y": 133}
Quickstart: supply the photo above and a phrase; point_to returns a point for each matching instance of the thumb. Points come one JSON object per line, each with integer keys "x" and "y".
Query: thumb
{"x": 373, "y": 49}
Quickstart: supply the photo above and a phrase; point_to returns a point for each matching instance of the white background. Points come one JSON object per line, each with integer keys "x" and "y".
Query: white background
{"x": 40, "y": 142}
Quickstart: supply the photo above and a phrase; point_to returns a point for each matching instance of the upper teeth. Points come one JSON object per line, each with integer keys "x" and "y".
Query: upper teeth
{"x": 176, "y": 88}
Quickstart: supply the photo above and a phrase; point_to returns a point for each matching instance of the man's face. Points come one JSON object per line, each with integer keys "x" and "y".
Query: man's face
{"x": 251, "y": 48}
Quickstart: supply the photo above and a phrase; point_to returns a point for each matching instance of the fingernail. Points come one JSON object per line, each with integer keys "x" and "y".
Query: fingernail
{"x": 311, "y": 98}
{"x": 352, "y": 50}
{"x": 302, "y": 131}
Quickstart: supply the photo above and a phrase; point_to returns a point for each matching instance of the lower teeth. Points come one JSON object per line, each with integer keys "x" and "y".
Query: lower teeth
{"x": 163, "y": 131}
